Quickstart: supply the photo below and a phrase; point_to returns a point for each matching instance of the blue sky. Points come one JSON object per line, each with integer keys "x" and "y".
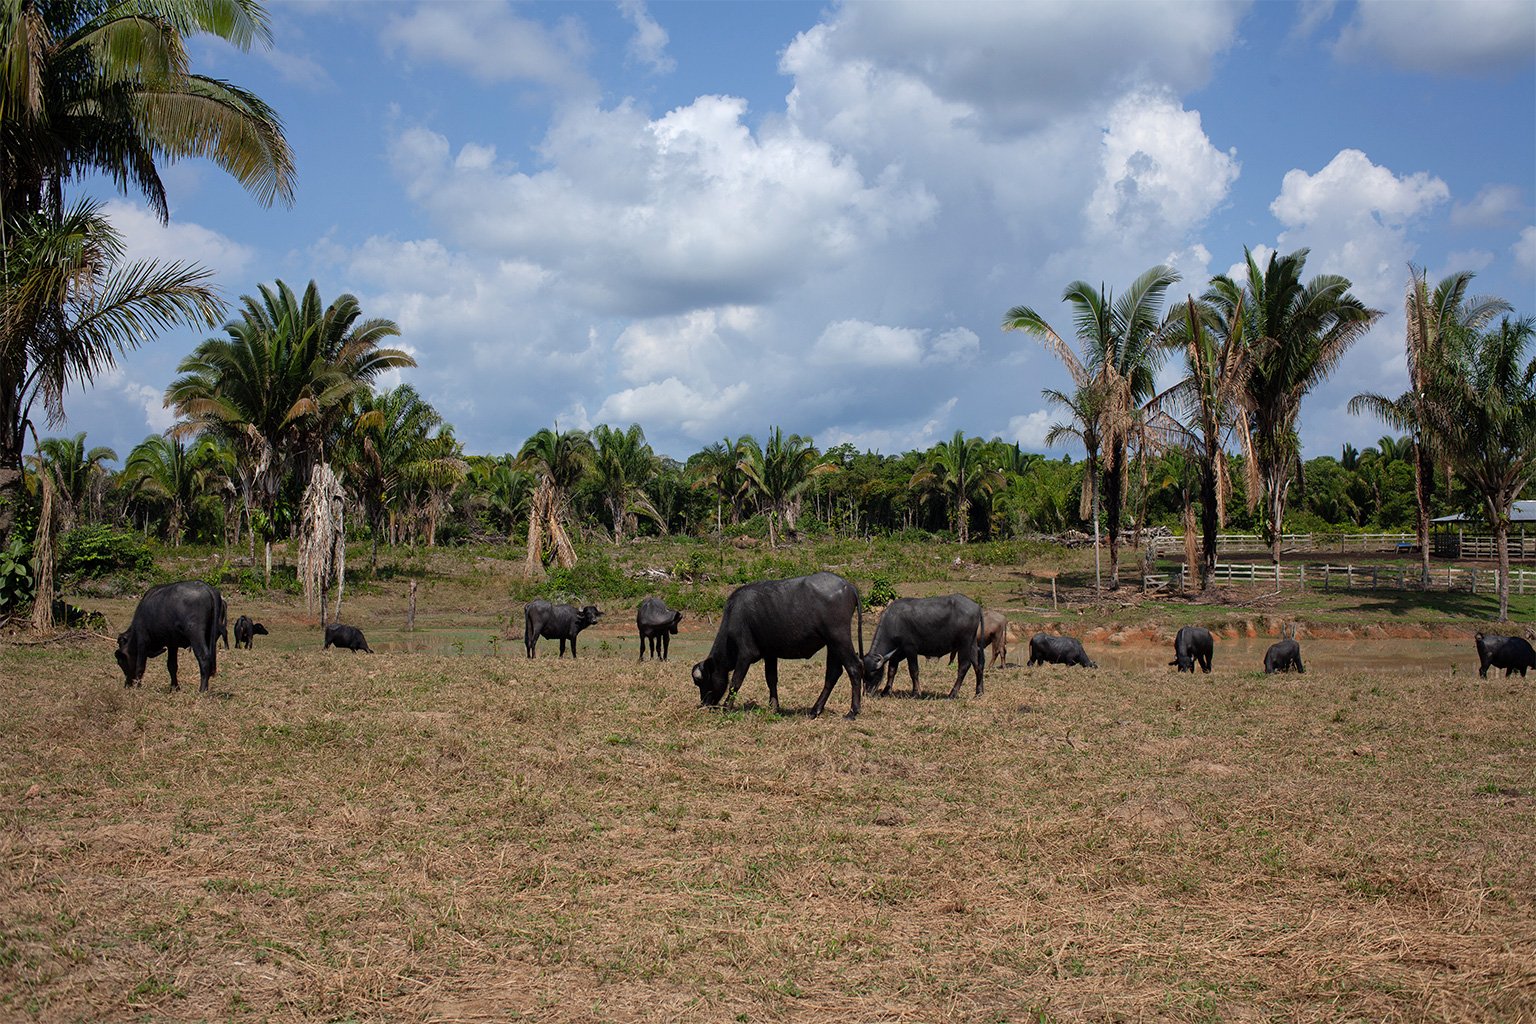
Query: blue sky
{"x": 714, "y": 218}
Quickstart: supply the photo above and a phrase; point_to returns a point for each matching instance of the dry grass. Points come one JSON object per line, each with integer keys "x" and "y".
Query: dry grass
{"x": 425, "y": 837}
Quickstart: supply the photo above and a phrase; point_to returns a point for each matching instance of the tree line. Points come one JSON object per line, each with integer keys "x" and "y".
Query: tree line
{"x": 283, "y": 431}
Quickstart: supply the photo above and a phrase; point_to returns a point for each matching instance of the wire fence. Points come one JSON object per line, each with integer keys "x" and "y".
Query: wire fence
{"x": 1326, "y": 576}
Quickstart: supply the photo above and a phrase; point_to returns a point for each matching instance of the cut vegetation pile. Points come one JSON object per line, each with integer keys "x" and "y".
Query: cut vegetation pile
{"x": 414, "y": 837}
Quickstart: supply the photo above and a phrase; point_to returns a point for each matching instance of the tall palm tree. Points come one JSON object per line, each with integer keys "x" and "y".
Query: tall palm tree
{"x": 499, "y": 491}
{"x": 777, "y": 472}
{"x": 1086, "y": 406}
{"x": 961, "y": 470}
{"x": 281, "y": 382}
{"x": 69, "y": 306}
{"x": 1121, "y": 354}
{"x": 1480, "y": 412}
{"x": 1295, "y": 332}
{"x": 1206, "y": 410}
{"x": 1430, "y": 315}
{"x": 558, "y": 460}
{"x": 105, "y": 87}
{"x": 624, "y": 466}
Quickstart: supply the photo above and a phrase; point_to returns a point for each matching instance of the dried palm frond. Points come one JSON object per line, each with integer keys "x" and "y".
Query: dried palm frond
{"x": 322, "y": 538}
{"x": 42, "y": 553}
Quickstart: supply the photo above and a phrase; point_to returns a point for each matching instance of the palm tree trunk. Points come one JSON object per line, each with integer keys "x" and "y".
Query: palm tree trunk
{"x": 1209, "y": 524}
{"x": 1422, "y": 470}
{"x": 1500, "y": 519}
{"x": 1114, "y": 494}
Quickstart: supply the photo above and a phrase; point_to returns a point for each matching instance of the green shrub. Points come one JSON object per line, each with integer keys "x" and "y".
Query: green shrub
{"x": 96, "y": 551}
{"x": 881, "y": 592}
{"x": 16, "y": 583}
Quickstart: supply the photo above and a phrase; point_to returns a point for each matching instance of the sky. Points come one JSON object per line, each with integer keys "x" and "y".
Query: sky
{"x": 712, "y": 219}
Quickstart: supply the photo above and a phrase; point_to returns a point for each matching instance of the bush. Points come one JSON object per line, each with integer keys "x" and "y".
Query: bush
{"x": 96, "y": 551}
{"x": 881, "y": 592}
{"x": 16, "y": 583}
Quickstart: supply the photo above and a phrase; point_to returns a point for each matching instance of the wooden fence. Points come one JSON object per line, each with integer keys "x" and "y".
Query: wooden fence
{"x": 1326, "y": 576}
{"x": 1234, "y": 543}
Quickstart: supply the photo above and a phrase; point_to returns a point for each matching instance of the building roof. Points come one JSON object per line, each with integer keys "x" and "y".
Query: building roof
{"x": 1519, "y": 512}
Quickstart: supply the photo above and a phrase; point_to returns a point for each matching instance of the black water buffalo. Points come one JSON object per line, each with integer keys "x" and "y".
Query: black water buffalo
{"x": 791, "y": 618}
{"x": 349, "y": 637}
{"x": 245, "y": 629}
{"x": 929, "y": 626}
{"x": 1045, "y": 649}
{"x": 171, "y": 616}
{"x": 555, "y": 622}
{"x": 1510, "y": 653}
{"x": 1283, "y": 656}
{"x": 656, "y": 624}
{"x": 1192, "y": 645}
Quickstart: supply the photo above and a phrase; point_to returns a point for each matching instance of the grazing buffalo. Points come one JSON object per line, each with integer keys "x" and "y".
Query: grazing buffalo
{"x": 1510, "y": 653}
{"x": 1192, "y": 645}
{"x": 171, "y": 616}
{"x": 656, "y": 623}
{"x": 791, "y": 618}
{"x": 929, "y": 626}
{"x": 245, "y": 629}
{"x": 555, "y": 622}
{"x": 1045, "y": 649}
{"x": 350, "y": 637}
{"x": 1283, "y": 656}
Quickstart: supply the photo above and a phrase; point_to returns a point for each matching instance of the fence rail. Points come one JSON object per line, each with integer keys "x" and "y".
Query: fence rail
{"x": 1233, "y": 543}
{"x": 1326, "y": 576}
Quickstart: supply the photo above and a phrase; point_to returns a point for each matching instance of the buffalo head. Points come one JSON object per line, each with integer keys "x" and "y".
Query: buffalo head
{"x": 712, "y": 680}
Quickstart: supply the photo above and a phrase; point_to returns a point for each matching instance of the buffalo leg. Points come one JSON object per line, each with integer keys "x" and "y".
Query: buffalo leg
{"x": 642, "y": 647}
{"x": 979, "y": 667}
{"x": 666, "y": 645}
{"x": 207, "y": 665}
{"x": 170, "y": 666}
{"x": 740, "y": 672}
{"x": 771, "y": 673}
{"x": 912, "y": 671}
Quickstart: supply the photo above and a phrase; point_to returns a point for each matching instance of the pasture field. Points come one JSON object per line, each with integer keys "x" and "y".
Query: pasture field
{"x": 447, "y": 831}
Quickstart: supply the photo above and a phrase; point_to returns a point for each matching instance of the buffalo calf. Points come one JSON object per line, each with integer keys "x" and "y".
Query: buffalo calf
{"x": 656, "y": 623}
{"x": 245, "y": 629}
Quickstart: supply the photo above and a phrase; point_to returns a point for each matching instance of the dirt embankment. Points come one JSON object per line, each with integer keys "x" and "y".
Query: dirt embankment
{"x": 1156, "y": 634}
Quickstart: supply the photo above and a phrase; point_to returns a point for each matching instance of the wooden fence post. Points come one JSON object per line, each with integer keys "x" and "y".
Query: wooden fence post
{"x": 410, "y": 611}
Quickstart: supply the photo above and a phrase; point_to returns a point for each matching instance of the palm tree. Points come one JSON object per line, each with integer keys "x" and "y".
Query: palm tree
{"x": 499, "y": 491}
{"x": 777, "y": 472}
{"x": 104, "y": 87}
{"x": 719, "y": 467}
{"x": 278, "y": 386}
{"x": 78, "y": 473}
{"x": 1206, "y": 409}
{"x": 1121, "y": 354}
{"x": 1086, "y": 406}
{"x": 392, "y": 454}
{"x": 1479, "y": 411}
{"x": 961, "y": 470}
{"x": 1430, "y": 315}
{"x": 1295, "y": 333}
{"x": 68, "y": 307}
{"x": 624, "y": 467}
{"x": 558, "y": 460}
{"x": 166, "y": 468}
